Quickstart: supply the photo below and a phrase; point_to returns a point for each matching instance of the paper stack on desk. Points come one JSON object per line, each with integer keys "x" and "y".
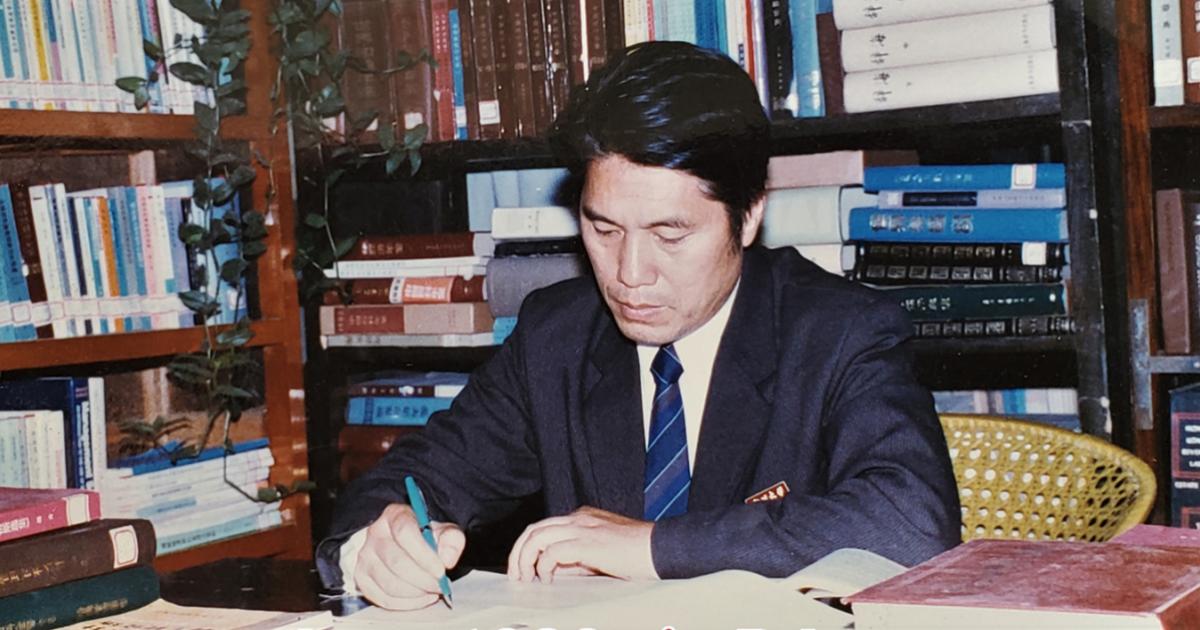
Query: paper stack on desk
{"x": 724, "y": 600}
{"x": 163, "y": 615}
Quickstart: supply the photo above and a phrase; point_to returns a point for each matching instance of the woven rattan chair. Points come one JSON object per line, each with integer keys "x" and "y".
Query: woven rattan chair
{"x": 1020, "y": 479}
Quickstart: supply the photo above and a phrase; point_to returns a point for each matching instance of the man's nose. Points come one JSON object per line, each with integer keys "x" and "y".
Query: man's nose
{"x": 636, "y": 265}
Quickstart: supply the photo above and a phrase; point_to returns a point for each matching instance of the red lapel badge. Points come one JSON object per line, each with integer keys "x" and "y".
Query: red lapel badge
{"x": 774, "y": 493}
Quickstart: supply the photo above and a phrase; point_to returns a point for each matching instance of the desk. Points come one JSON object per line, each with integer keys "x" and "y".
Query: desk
{"x": 250, "y": 583}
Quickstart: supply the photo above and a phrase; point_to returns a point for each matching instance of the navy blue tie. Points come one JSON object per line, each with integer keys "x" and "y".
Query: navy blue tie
{"x": 667, "y": 476}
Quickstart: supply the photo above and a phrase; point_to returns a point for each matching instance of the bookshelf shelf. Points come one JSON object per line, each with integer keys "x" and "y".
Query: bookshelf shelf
{"x": 110, "y": 126}
{"x": 1174, "y": 364}
{"x": 1178, "y": 117}
{"x": 996, "y": 345}
{"x": 32, "y": 355}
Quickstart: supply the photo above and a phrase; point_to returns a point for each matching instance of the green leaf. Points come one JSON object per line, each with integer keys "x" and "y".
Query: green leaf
{"x": 235, "y": 337}
{"x": 330, "y": 107}
{"x": 206, "y": 118}
{"x": 414, "y": 161}
{"x": 387, "y": 137}
{"x": 225, "y": 159}
{"x": 253, "y": 249}
{"x": 236, "y": 85}
{"x": 241, "y": 176}
{"x": 306, "y": 43}
{"x": 190, "y": 72}
{"x": 415, "y": 136}
{"x": 315, "y": 220}
{"x": 197, "y": 301}
{"x": 232, "y": 270}
{"x": 141, "y": 97}
{"x": 360, "y": 122}
{"x": 223, "y": 193}
{"x": 332, "y": 177}
{"x": 131, "y": 84}
{"x": 199, "y": 10}
{"x": 192, "y": 234}
{"x": 152, "y": 50}
{"x": 268, "y": 495}
{"x": 229, "y": 391}
{"x": 394, "y": 160}
{"x": 231, "y": 106}
{"x": 343, "y": 245}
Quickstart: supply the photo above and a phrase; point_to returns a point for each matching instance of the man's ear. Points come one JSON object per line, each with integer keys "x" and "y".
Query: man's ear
{"x": 753, "y": 222}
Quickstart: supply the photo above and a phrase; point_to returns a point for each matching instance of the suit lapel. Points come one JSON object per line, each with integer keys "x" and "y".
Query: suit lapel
{"x": 612, "y": 420}
{"x": 740, "y": 394}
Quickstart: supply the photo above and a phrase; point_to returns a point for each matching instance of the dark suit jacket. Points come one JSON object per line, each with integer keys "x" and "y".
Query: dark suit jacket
{"x": 811, "y": 385}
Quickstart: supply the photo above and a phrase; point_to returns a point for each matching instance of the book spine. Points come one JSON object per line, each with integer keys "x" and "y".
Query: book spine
{"x": 367, "y": 390}
{"x": 88, "y": 248}
{"x": 28, "y": 243}
{"x": 964, "y": 177}
{"x": 455, "y": 318}
{"x": 410, "y": 246}
{"x": 1034, "y": 253}
{"x": 939, "y": 303}
{"x": 408, "y": 341}
{"x": 394, "y": 268}
{"x": 47, "y": 247}
{"x": 436, "y": 290}
{"x": 534, "y": 222}
{"x": 1008, "y": 76}
{"x": 141, "y": 259}
{"x": 38, "y": 562}
{"x": 111, "y": 307}
{"x": 502, "y": 49}
{"x": 994, "y": 198}
{"x": 443, "y": 74}
{"x": 1189, "y": 44}
{"x": 957, "y": 274}
{"x": 393, "y": 411}
{"x": 539, "y": 66}
{"x": 521, "y": 62}
{"x": 863, "y": 13}
{"x": 458, "y": 46}
{"x": 1028, "y": 326}
{"x": 486, "y": 79}
{"x": 595, "y": 35}
{"x": 806, "y": 60}
{"x": 829, "y": 52}
{"x": 975, "y": 225}
{"x": 11, "y": 265}
{"x": 171, "y": 542}
{"x": 949, "y": 39}
{"x": 510, "y": 280}
{"x": 1177, "y": 226}
{"x": 364, "y": 35}
{"x": 156, "y": 461}
{"x": 71, "y": 602}
{"x": 1167, "y": 69}
{"x": 86, "y": 299}
{"x": 344, "y": 320}
{"x": 50, "y": 515}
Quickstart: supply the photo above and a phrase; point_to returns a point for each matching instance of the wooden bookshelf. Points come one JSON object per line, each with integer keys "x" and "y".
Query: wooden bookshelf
{"x": 117, "y": 139}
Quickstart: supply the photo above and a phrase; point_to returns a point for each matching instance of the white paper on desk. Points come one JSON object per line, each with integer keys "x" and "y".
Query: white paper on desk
{"x": 721, "y": 601}
{"x": 163, "y": 615}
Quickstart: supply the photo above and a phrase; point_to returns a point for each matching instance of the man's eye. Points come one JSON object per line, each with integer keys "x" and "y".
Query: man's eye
{"x": 671, "y": 239}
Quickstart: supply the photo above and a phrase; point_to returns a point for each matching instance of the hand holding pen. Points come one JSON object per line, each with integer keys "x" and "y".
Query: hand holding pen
{"x": 417, "y": 500}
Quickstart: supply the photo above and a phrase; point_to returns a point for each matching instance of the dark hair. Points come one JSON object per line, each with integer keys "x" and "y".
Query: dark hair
{"x": 675, "y": 105}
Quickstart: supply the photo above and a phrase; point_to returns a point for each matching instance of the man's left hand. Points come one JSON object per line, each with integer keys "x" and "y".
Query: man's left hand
{"x": 588, "y": 540}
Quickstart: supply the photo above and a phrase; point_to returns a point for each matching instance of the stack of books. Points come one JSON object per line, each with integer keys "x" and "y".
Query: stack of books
{"x": 1055, "y": 406}
{"x": 910, "y": 54}
{"x": 968, "y": 250}
{"x": 60, "y": 563}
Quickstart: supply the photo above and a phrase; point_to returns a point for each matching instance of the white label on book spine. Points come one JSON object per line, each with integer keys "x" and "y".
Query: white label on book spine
{"x": 78, "y": 509}
{"x": 489, "y": 112}
{"x": 1024, "y": 176}
{"x": 1168, "y": 72}
{"x": 124, "y": 546}
{"x": 1033, "y": 253}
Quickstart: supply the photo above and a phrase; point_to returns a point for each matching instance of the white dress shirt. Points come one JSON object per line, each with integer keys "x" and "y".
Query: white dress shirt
{"x": 697, "y": 352}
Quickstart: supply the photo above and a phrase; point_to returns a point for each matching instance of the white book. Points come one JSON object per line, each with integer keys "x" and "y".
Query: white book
{"x": 1166, "y": 47}
{"x": 163, "y": 615}
{"x": 985, "y": 198}
{"x": 466, "y": 266}
{"x": 12, "y": 450}
{"x": 86, "y": 33}
{"x": 848, "y": 14}
{"x": 48, "y": 244}
{"x": 463, "y": 340}
{"x": 91, "y": 305}
{"x": 1012, "y": 31}
{"x": 190, "y": 472}
{"x": 817, "y": 214}
{"x": 534, "y": 223}
{"x": 1009, "y": 76}
{"x": 637, "y": 28}
{"x": 73, "y": 293}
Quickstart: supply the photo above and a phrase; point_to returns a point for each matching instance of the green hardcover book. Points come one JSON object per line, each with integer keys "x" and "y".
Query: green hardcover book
{"x": 938, "y": 303}
{"x": 72, "y": 602}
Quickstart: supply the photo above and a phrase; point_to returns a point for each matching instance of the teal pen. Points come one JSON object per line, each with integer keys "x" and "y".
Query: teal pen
{"x": 417, "y": 500}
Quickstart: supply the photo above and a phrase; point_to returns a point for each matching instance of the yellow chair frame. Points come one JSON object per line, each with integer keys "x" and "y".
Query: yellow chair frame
{"x": 1019, "y": 479}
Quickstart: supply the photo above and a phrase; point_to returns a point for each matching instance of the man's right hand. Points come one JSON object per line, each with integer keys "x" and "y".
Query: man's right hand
{"x": 396, "y": 568}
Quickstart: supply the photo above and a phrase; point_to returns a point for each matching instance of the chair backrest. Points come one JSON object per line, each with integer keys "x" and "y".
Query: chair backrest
{"x": 1019, "y": 479}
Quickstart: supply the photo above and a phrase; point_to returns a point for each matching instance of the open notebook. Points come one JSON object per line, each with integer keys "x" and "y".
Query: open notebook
{"x": 724, "y": 600}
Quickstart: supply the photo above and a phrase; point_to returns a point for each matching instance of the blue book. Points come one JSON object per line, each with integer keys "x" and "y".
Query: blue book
{"x": 220, "y": 531}
{"x": 91, "y": 209}
{"x": 1185, "y": 455}
{"x": 121, "y": 254}
{"x": 76, "y": 244}
{"x": 181, "y": 274}
{"x": 959, "y": 225}
{"x": 502, "y": 327}
{"x": 71, "y": 397}
{"x": 481, "y": 200}
{"x": 964, "y": 177}
{"x": 21, "y": 60}
{"x": 140, "y": 245}
{"x": 456, "y": 70}
{"x": 806, "y": 59}
{"x": 155, "y": 460}
{"x": 394, "y": 410}
{"x": 14, "y": 289}
{"x": 62, "y": 239}
{"x": 7, "y": 63}
{"x": 710, "y": 31}
{"x": 150, "y": 34}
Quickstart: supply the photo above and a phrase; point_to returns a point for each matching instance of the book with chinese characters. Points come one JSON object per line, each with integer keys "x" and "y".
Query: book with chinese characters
{"x": 27, "y": 511}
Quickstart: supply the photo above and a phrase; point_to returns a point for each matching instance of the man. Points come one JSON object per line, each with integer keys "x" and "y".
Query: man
{"x": 700, "y": 405}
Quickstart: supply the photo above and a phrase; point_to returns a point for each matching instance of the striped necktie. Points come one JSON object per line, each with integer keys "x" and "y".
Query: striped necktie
{"x": 667, "y": 476}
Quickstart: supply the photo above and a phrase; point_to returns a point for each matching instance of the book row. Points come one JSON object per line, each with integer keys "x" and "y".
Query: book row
{"x": 107, "y": 260}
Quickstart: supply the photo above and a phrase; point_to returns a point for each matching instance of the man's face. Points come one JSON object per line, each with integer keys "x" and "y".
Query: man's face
{"x": 661, "y": 249}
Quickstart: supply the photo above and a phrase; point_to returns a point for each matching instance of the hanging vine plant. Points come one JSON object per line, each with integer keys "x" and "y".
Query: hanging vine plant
{"x": 307, "y": 94}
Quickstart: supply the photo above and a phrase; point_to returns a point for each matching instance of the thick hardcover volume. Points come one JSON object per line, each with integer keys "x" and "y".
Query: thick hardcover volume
{"x": 558, "y": 58}
{"x": 71, "y": 602}
{"x": 443, "y": 74}
{"x": 1190, "y": 47}
{"x": 863, "y": 13}
{"x": 988, "y": 301}
{"x": 23, "y": 214}
{"x": 539, "y": 68}
{"x": 1039, "y": 584}
{"x": 1009, "y": 32}
{"x": 519, "y": 59}
{"x": 965, "y": 177}
{"x": 987, "y": 78}
{"x": 1185, "y": 456}
{"x": 1004, "y": 327}
{"x": 102, "y": 546}
{"x": 778, "y": 35}
{"x": 409, "y": 246}
{"x": 577, "y": 54}
{"x": 1054, "y": 254}
{"x": 25, "y": 512}
{"x": 402, "y": 290}
{"x": 572, "y": 245}
{"x": 964, "y": 225}
{"x": 400, "y": 411}
{"x": 413, "y": 88}
{"x": 484, "y": 45}
{"x": 829, "y": 52}
{"x": 993, "y": 198}
{"x": 954, "y": 274}
{"x": 504, "y": 42}
{"x": 596, "y": 33}
{"x": 1177, "y": 227}
{"x": 344, "y": 320}
{"x": 365, "y": 35}
{"x": 836, "y": 168}
{"x": 413, "y": 319}
{"x": 466, "y": 29}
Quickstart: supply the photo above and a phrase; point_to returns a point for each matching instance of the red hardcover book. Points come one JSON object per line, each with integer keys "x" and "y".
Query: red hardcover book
{"x": 1020, "y": 584}
{"x": 413, "y": 88}
{"x": 366, "y": 318}
{"x": 443, "y": 74}
{"x": 503, "y": 45}
{"x": 403, "y": 290}
{"x": 597, "y": 33}
{"x": 557, "y": 55}
{"x": 484, "y": 44}
{"x": 539, "y": 69}
{"x": 829, "y": 52}
{"x": 410, "y": 246}
{"x": 364, "y": 34}
{"x": 470, "y": 71}
{"x": 27, "y": 511}
{"x": 577, "y": 55}
{"x": 23, "y": 214}
{"x": 1176, "y": 218}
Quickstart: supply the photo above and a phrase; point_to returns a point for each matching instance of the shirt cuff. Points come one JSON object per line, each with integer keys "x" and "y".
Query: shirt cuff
{"x": 348, "y": 561}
